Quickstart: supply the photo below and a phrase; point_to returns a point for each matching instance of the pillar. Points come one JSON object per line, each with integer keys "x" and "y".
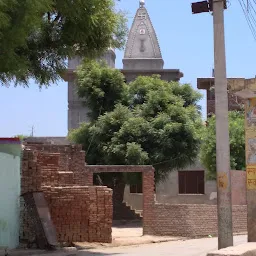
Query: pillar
{"x": 148, "y": 201}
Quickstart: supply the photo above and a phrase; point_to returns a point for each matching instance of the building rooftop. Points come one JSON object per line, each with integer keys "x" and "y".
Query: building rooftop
{"x": 47, "y": 140}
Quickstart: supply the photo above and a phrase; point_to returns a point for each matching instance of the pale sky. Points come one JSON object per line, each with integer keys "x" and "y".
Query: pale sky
{"x": 186, "y": 42}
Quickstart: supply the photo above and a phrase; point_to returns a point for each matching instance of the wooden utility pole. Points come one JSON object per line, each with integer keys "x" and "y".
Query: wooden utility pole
{"x": 225, "y": 229}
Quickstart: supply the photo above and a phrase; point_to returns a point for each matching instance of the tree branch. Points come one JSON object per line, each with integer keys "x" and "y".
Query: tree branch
{"x": 49, "y": 16}
{"x": 57, "y": 18}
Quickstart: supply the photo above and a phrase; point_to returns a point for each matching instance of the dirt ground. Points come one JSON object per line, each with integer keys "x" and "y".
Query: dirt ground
{"x": 128, "y": 234}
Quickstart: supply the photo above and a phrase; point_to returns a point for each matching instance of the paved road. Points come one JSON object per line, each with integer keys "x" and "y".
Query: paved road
{"x": 198, "y": 247}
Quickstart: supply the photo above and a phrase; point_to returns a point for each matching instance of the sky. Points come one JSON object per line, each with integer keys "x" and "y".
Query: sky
{"x": 186, "y": 42}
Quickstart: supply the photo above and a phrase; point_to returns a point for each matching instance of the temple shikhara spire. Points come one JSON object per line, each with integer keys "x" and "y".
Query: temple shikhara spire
{"x": 142, "y": 3}
{"x": 142, "y": 47}
{"x": 142, "y": 57}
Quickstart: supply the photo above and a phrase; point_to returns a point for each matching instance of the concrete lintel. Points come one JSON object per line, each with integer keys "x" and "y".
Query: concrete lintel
{"x": 119, "y": 168}
{"x": 234, "y": 84}
{"x": 70, "y": 75}
{"x": 248, "y": 249}
{"x": 246, "y": 94}
{"x": 150, "y": 70}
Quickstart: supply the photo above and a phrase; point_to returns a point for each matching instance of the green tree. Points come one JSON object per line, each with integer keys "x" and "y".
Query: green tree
{"x": 37, "y": 36}
{"x": 101, "y": 87}
{"x": 21, "y": 136}
{"x": 158, "y": 123}
{"x": 237, "y": 144}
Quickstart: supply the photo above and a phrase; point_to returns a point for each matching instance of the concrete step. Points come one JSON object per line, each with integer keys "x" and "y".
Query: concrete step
{"x": 136, "y": 212}
{"x": 139, "y": 212}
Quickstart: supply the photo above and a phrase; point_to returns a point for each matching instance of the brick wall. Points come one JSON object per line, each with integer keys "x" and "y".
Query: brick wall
{"x": 234, "y": 102}
{"x": 79, "y": 212}
{"x": 148, "y": 181}
{"x": 71, "y": 159}
{"x": 196, "y": 220}
{"x": 121, "y": 211}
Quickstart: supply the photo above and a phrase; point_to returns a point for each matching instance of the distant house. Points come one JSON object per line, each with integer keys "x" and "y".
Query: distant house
{"x": 47, "y": 140}
{"x": 207, "y": 84}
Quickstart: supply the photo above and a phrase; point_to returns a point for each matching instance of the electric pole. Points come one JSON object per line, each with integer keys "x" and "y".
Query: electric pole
{"x": 32, "y": 131}
{"x": 225, "y": 227}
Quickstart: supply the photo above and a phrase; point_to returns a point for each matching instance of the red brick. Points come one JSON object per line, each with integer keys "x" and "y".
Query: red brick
{"x": 59, "y": 171}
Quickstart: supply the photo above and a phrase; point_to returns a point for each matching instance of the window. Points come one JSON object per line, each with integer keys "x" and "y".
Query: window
{"x": 211, "y": 94}
{"x": 191, "y": 182}
{"x": 137, "y": 188}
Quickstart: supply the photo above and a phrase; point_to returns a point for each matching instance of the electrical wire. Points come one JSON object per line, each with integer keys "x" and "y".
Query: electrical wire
{"x": 252, "y": 15}
{"x": 251, "y": 5}
{"x": 251, "y": 20}
{"x": 248, "y": 15}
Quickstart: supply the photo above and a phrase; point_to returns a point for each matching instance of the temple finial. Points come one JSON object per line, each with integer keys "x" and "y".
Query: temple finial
{"x": 142, "y": 3}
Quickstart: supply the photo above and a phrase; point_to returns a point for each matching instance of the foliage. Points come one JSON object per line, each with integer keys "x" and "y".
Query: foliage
{"x": 37, "y": 36}
{"x": 237, "y": 144}
{"x": 21, "y": 137}
{"x": 159, "y": 124}
{"x": 100, "y": 86}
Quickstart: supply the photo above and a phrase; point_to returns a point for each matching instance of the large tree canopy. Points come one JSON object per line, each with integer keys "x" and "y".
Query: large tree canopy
{"x": 158, "y": 123}
{"x": 101, "y": 87}
{"x": 236, "y": 140}
{"x": 37, "y": 36}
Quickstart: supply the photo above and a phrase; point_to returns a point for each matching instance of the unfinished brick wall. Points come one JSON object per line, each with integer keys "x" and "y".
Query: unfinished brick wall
{"x": 196, "y": 220}
{"x": 234, "y": 103}
{"x": 187, "y": 220}
{"x": 68, "y": 196}
{"x": 71, "y": 160}
{"x": 62, "y": 178}
{"x": 148, "y": 183}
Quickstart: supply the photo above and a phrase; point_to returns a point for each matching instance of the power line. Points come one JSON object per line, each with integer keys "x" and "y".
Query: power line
{"x": 247, "y": 15}
{"x": 249, "y": 7}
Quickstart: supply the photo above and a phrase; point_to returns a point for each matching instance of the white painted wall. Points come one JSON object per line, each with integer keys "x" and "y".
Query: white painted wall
{"x": 9, "y": 200}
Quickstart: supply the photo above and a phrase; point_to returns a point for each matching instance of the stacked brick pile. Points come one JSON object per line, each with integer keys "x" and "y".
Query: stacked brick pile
{"x": 30, "y": 182}
{"x": 26, "y": 224}
{"x": 100, "y": 214}
{"x": 81, "y": 213}
{"x": 30, "y": 173}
